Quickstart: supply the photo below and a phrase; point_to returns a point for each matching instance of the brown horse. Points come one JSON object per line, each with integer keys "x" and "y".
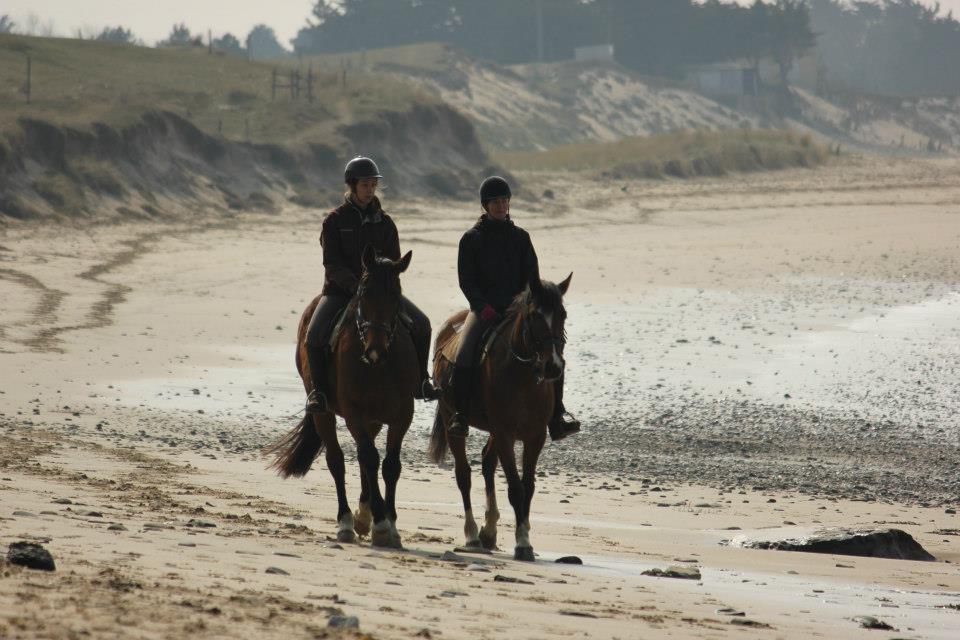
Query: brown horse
{"x": 373, "y": 376}
{"x": 513, "y": 401}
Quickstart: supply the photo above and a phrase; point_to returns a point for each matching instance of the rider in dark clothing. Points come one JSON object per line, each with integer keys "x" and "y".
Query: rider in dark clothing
{"x": 346, "y": 231}
{"x": 496, "y": 262}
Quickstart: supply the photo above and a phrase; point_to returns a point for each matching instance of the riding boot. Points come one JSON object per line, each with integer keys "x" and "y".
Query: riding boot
{"x": 462, "y": 387}
{"x": 560, "y": 426}
{"x": 425, "y": 390}
{"x": 317, "y": 398}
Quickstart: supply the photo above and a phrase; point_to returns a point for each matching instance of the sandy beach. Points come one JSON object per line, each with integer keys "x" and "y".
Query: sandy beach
{"x": 761, "y": 354}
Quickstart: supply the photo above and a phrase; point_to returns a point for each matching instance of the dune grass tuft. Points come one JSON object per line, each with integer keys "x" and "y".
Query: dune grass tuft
{"x": 678, "y": 155}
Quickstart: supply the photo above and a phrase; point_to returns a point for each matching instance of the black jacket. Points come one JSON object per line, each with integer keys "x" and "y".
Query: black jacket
{"x": 496, "y": 262}
{"x": 346, "y": 231}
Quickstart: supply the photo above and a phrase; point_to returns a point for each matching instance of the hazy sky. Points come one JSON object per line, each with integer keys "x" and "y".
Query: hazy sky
{"x": 151, "y": 19}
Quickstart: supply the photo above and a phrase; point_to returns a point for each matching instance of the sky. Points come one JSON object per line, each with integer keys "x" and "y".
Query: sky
{"x": 151, "y": 20}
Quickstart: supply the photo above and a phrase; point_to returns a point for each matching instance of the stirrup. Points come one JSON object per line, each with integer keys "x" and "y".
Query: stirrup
{"x": 560, "y": 427}
{"x": 316, "y": 403}
{"x": 458, "y": 427}
{"x": 428, "y": 392}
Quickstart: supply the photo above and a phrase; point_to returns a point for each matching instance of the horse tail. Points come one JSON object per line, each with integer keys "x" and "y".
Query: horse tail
{"x": 296, "y": 451}
{"x": 437, "y": 450}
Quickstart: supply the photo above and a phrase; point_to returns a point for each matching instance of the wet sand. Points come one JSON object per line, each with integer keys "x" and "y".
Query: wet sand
{"x": 792, "y": 336}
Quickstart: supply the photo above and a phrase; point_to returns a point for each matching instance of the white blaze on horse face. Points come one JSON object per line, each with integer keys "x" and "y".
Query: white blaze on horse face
{"x": 373, "y": 356}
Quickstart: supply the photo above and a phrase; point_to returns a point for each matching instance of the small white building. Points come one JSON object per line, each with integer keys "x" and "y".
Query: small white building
{"x": 599, "y": 52}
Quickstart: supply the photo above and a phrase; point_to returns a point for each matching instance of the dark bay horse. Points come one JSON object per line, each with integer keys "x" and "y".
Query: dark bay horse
{"x": 372, "y": 379}
{"x": 513, "y": 402}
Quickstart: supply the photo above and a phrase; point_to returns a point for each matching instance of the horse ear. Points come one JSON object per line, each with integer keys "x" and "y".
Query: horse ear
{"x": 563, "y": 286}
{"x": 404, "y": 262}
{"x": 536, "y": 285}
{"x": 369, "y": 257}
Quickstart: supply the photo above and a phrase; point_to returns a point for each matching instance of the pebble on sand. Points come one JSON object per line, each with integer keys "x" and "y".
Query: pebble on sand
{"x": 30, "y": 555}
{"x": 343, "y": 622}
{"x": 684, "y": 573}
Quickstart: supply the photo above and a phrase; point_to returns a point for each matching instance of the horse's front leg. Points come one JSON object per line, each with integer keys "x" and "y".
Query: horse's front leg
{"x": 369, "y": 459}
{"x": 326, "y": 426}
{"x": 488, "y": 534}
{"x": 363, "y": 519}
{"x": 391, "y": 475}
{"x": 531, "y": 453}
{"x": 458, "y": 447}
{"x": 515, "y": 492}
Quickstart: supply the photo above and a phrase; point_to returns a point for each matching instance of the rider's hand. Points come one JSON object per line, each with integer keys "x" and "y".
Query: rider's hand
{"x": 488, "y": 314}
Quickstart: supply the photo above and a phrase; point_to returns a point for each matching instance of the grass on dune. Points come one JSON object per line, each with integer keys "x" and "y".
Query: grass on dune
{"x": 681, "y": 155}
{"x": 77, "y": 82}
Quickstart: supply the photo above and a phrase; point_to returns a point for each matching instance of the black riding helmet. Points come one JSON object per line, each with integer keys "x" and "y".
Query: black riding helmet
{"x": 492, "y": 188}
{"x": 359, "y": 168}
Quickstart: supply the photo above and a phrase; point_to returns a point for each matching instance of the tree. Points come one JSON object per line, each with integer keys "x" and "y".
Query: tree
{"x": 262, "y": 44}
{"x": 790, "y": 34}
{"x": 116, "y": 34}
{"x": 6, "y": 24}
{"x": 180, "y": 36}
{"x": 228, "y": 43}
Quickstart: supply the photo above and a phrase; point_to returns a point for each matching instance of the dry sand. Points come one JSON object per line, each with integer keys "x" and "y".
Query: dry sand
{"x": 776, "y": 350}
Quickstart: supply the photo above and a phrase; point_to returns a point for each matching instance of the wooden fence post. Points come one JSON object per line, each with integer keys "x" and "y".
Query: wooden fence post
{"x": 29, "y": 78}
{"x": 273, "y": 85}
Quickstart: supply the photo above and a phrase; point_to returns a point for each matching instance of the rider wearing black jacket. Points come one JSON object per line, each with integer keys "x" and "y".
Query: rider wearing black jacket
{"x": 496, "y": 261}
{"x": 347, "y": 230}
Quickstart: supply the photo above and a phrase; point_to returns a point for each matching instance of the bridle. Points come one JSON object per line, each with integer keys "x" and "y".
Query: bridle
{"x": 538, "y": 344}
{"x": 363, "y": 325}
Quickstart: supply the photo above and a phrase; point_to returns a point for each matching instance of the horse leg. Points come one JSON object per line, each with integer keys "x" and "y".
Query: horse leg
{"x": 362, "y": 516}
{"x": 458, "y": 447}
{"x": 369, "y": 459}
{"x": 515, "y": 492}
{"x": 531, "y": 453}
{"x": 326, "y": 426}
{"x": 488, "y": 534}
{"x": 391, "y": 475}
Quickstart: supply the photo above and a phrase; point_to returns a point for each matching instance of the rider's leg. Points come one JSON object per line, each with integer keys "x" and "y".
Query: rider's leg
{"x": 318, "y": 337}
{"x": 560, "y": 426}
{"x": 463, "y": 381}
{"x": 420, "y": 333}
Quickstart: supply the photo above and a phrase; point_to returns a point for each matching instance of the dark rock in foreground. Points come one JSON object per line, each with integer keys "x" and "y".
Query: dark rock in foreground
{"x": 30, "y": 555}
{"x": 879, "y": 543}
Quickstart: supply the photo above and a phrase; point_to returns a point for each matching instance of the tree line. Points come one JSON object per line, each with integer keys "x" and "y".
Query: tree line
{"x": 883, "y": 46}
{"x": 888, "y": 47}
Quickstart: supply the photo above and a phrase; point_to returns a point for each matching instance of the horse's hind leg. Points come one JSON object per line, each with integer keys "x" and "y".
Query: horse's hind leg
{"x": 515, "y": 491}
{"x": 458, "y": 447}
{"x": 326, "y": 427}
{"x": 488, "y": 534}
{"x": 391, "y": 475}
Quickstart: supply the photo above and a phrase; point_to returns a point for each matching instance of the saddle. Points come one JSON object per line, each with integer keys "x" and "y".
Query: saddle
{"x": 448, "y": 341}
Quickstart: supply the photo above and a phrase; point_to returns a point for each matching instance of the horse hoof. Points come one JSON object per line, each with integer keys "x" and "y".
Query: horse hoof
{"x": 524, "y": 553}
{"x": 385, "y": 539}
{"x": 346, "y": 535}
{"x": 488, "y": 540}
{"x": 474, "y": 544}
{"x": 361, "y": 525}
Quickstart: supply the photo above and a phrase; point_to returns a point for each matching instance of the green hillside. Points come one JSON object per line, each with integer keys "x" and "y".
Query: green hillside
{"x": 77, "y": 82}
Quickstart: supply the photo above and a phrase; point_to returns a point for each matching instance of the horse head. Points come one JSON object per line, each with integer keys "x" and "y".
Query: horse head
{"x": 542, "y": 317}
{"x": 378, "y": 303}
